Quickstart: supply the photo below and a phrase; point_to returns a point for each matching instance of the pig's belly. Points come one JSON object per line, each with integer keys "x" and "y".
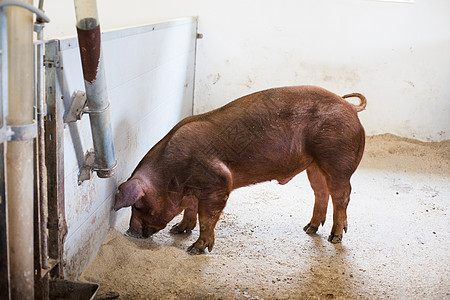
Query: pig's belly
{"x": 266, "y": 172}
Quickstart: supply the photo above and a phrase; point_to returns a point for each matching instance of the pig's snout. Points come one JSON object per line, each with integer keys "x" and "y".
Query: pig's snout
{"x": 131, "y": 233}
{"x": 146, "y": 232}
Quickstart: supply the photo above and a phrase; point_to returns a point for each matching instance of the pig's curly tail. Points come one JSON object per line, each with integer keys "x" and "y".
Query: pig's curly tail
{"x": 362, "y": 103}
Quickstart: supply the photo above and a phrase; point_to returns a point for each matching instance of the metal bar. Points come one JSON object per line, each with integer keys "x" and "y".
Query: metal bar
{"x": 16, "y": 279}
{"x": 41, "y": 263}
{"x": 42, "y": 169}
{"x": 19, "y": 155}
{"x": 89, "y": 41}
{"x": 4, "y": 65}
{"x": 36, "y": 232}
{"x": 54, "y": 155}
{"x": 5, "y": 288}
{"x": 5, "y": 292}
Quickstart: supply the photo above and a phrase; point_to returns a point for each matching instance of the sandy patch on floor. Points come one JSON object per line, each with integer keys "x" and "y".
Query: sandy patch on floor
{"x": 391, "y": 152}
{"x": 397, "y": 247}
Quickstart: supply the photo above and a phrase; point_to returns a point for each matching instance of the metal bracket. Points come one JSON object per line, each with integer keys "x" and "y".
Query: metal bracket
{"x": 18, "y": 133}
{"x": 54, "y": 62}
{"x": 5, "y": 134}
{"x": 23, "y": 132}
{"x": 77, "y": 107}
{"x": 89, "y": 167}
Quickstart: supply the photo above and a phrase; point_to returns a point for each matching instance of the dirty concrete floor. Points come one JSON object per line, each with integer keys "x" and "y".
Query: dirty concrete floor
{"x": 397, "y": 246}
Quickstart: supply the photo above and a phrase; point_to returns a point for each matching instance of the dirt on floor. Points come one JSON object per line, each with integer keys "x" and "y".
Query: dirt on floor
{"x": 397, "y": 246}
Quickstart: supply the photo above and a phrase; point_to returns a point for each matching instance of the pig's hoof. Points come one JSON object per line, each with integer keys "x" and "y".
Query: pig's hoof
{"x": 192, "y": 250}
{"x": 309, "y": 229}
{"x": 335, "y": 238}
{"x": 177, "y": 230}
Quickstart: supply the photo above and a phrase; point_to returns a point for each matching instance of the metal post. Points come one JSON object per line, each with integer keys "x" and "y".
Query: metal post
{"x": 5, "y": 288}
{"x": 16, "y": 215}
{"x": 89, "y": 40}
{"x": 54, "y": 142}
{"x": 20, "y": 184}
{"x": 40, "y": 114}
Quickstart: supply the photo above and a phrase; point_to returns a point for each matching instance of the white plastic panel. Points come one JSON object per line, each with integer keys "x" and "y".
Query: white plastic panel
{"x": 150, "y": 79}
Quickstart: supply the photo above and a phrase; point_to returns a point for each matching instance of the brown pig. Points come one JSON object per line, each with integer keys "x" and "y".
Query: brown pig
{"x": 271, "y": 134}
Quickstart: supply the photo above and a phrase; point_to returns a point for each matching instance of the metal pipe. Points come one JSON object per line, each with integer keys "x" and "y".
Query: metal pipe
{"x": 4, "y": 69}
{"x": 5, "y": 288}
{"x": 3, "y": 73}
{"x": 89, "y": 40}
{"x": 42, "y": 169}
{"x": 30, "y": 7}
{"x": 20, "y": 152}
{"x": 39, "y": 20}
{"x": 40, "y": 116}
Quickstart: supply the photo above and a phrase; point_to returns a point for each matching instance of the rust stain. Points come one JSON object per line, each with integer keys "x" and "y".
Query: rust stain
{"x": 89, "y": 42}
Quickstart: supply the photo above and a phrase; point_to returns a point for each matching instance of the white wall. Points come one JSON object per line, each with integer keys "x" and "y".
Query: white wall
{"x": 397, "y": 54}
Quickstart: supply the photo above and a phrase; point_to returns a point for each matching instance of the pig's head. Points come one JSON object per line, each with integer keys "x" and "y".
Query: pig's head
{"x": 151, "y": 211}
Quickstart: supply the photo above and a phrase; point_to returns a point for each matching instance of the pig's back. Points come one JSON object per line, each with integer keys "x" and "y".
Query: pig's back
{"x": 266, "y": 135}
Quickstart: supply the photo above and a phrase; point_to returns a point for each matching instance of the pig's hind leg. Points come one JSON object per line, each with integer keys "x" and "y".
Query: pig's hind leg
{"x": 338, "y": 172}
{"x": 321, "y": 194}
{"x": 338, "y": 183}
{"x": 339, "y": 187}
{"x": 340, "y": 194}
{"x": 331, "y": 176}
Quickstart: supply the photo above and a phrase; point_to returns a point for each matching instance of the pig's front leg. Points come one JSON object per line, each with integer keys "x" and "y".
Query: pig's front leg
{"x": 209, "y": 211}
{"x": 189, "y": 220}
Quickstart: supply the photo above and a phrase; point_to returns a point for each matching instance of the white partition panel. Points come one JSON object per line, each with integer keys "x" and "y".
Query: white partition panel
{"x": 150, "y": 79}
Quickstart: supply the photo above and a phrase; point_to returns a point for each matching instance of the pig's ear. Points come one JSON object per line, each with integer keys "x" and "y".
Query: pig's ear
{"x": 128, "y": 193}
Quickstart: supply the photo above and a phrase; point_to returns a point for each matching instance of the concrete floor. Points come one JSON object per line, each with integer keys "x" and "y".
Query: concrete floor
{"x": 397, "y": 246}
